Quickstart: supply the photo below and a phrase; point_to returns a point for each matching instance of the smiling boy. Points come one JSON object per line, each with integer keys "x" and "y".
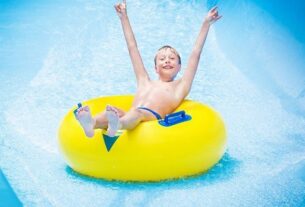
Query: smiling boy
{"x": 153, "y": 98}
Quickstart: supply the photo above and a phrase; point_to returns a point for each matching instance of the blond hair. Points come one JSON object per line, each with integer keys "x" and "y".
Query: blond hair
{"x": 172, "y": 49}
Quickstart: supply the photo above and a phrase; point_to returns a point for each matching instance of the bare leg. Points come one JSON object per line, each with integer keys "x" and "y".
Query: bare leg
{"x": 130, "y": 120}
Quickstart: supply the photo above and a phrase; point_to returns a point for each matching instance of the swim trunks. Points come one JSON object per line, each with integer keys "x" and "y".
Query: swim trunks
{"x": 153, "y": 112}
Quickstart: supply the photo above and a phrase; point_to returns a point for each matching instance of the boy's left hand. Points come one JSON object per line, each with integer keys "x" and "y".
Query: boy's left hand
{"x": 121, "y": 9}
{"x": 212, "y": 15}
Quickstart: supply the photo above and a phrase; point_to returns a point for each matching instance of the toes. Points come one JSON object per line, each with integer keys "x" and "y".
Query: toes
{"x": 82, "y": 109}
{"x": 115, "y": 110}
{"x": 110, "y": 108}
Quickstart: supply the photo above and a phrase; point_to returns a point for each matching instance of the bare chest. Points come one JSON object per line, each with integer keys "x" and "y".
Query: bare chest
{"x": 161, "y": 97}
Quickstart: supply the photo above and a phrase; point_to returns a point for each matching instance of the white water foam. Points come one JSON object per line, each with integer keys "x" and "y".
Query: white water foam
{"x": 262, "y": 164}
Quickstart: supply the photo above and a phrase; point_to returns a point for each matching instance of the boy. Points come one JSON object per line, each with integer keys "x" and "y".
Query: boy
{"x": 153, "y": 97}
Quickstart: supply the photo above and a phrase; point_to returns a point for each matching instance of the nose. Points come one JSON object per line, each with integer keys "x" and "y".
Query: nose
{"x": 167, "y": 60}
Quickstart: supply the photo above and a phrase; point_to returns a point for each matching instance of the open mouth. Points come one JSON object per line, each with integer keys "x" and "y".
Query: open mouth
{"x": 168, "y": 67}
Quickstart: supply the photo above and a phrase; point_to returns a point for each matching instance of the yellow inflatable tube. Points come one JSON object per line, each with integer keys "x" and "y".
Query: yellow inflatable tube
{"x": 150, "y": 152}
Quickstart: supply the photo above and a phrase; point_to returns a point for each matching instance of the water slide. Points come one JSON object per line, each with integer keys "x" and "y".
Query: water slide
{"x": 252, "y": 71}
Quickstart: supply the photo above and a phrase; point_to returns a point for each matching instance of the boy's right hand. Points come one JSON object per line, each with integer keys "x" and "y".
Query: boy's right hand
{"x": 121, "y": 9}
{"x": 212, "y": 15}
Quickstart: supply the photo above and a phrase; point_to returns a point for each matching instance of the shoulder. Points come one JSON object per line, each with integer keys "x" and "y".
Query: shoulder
{"x": 181, "y": 87}
{"x": 144, "y": 82}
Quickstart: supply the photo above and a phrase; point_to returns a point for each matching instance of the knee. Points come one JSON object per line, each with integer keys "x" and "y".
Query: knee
{"x": 133, "y": 114}
{"x": 145, "y": 115}
{"x": 100, "y": 120}
{"x": 131, "y": 118}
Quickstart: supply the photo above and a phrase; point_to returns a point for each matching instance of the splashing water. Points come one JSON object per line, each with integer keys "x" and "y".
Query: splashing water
{"x": 57, "y": 54}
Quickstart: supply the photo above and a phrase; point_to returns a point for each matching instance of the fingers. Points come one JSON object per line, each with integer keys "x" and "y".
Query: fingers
{"x": 215, "y": 19}
{"x": 213, "y": 9}
{"x": 116, "y": 7}
{"x": 120, "y": 6}
{"x": 218, "y": 17}
{"x": 214, "y": 13}
{"x": 215, "y": 16}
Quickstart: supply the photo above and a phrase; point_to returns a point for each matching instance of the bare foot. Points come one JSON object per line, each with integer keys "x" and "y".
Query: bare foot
{"x": 113, "y": 120}
{"x": 85, "y": 119}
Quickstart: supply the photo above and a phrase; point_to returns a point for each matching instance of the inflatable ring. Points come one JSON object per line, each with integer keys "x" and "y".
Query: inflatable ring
{"x": 150, "y": 152}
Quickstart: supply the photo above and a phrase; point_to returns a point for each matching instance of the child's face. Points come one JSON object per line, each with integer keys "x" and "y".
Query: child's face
{"x": 167, "y": 64}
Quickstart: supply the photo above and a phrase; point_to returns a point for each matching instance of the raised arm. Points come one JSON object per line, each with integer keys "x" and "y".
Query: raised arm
{"x": 137, "y": 63}
{"x": 194, "y": 58}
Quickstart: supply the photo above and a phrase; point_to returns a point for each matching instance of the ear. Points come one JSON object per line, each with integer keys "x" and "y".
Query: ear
{"x": 179, "y": 67}
{"x": 157, "y": 70}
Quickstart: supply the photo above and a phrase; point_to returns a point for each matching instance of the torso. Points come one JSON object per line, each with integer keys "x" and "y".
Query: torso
{"x": 162, "y": 97}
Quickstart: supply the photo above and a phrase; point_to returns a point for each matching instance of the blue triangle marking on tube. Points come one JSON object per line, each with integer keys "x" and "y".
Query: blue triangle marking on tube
{"x": 109, "y": 141}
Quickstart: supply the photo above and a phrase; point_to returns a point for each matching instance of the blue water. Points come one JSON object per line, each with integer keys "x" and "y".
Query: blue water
{"x": 55, "y": 54}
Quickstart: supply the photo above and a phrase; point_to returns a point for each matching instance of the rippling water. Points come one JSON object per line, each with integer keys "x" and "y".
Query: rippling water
{"x": 54, "y": 55}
